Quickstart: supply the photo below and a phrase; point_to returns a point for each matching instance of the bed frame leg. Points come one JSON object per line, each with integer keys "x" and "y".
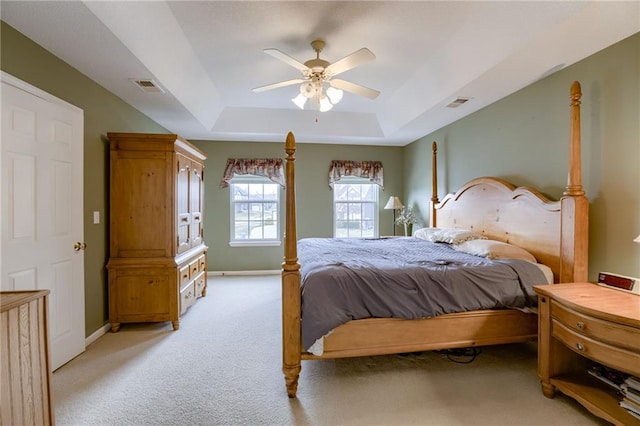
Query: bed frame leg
{"x": 291, "y": 374}
{"x": 291, "y": 332}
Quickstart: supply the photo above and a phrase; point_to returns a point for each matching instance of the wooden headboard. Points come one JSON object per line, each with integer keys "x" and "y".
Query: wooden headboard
{"x": 555, "y": 232}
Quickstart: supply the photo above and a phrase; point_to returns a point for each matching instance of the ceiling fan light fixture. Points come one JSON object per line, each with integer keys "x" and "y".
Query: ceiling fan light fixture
{"x": 325, "y": 104}
{"x": 335, "y": 95}
{"x": 299, "y": 100}
{"x": 308, "y": 89}
{"x": 317, "y": 73}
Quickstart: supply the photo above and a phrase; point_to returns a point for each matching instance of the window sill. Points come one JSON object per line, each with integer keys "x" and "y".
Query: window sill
{"x": 255, "y": 243}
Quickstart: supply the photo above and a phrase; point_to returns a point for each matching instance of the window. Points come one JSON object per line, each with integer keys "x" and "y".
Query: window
{"x": 255, "y": 212}
{"x": 355, "y": 208}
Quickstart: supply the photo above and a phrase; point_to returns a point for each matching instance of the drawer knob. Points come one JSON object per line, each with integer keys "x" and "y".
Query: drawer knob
{"x": 580, "y": 346}
{"x": 580, "y": 325}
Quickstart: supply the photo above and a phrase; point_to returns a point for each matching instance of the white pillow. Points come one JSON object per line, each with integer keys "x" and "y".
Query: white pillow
{"x": 492, "y": 249}
{"x": 447, "y": 235}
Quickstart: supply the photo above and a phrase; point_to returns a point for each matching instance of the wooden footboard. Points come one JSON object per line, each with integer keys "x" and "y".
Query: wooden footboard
{"x": 555, "y": 231}
{"x": 382, "y": 336}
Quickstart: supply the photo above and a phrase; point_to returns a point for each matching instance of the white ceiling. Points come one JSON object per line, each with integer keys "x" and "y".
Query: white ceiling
{"x": 208, "y": 55}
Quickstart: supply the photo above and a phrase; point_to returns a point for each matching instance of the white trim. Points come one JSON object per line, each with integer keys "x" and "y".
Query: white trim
{"x": 254, "y": 243}
{"x": 23, "y": 85}
{"x": 97, "y": 334}
{"x": 236, "y": 273}
{"x": 351, "y": 180}
{"x": 253, "y": 180}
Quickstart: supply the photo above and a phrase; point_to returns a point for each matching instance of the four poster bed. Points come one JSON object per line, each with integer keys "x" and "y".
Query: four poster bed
{"x": 555, "y": 232}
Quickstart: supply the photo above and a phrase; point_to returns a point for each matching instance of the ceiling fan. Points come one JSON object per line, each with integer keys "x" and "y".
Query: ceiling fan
{"x": 316, "y": 72}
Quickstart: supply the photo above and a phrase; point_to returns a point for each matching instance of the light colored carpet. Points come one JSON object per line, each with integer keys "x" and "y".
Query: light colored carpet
{"x": 223, "y": 367}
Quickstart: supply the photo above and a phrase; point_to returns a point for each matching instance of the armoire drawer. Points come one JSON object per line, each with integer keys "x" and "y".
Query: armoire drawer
{"x": 194, "y": 266}
{"x": 201, "y": 284}
{"x": 185, "y": 276}
{"x": 187, "y": 297}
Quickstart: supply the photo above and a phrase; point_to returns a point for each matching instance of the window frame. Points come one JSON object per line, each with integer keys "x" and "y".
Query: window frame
{"x": 350, "y": 180}
{"x": 261, "y": 242}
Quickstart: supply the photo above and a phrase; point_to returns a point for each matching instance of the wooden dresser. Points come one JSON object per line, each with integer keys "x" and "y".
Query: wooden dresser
{"x": 25, "y": 364}
{"x": 157, "y": 263}
{"x": 580, "y": 323}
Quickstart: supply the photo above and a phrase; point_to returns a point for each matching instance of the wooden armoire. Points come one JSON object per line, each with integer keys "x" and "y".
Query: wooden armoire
{"x": 157, "y": 262}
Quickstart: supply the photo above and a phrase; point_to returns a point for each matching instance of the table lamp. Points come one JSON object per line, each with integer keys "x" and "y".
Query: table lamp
{"x": 395, "y": 204}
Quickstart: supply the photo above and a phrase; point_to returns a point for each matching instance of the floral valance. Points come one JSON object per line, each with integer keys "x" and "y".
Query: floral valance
{"x": 267, "y": 167}
{"x": 371, "y": 170}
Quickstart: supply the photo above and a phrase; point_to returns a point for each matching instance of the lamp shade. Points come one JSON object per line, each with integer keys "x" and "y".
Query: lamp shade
{"x": 393, "y": 203}
{"x": 325, "y": 104}
{"x": 299, "y": 100}
{"x": 335, "y": 95}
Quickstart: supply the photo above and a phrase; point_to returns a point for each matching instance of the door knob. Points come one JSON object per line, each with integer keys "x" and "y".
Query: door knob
{"x": 79, "y": 246}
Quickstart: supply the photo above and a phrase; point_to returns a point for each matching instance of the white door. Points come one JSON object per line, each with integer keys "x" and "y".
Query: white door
{"x": 42, "y": 211}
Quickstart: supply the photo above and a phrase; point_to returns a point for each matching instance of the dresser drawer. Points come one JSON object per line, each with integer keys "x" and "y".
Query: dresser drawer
{"x": 194, "y": 268}
{"x": 202, "y": 263}
{"x": 187, "y": 298}
{"x": 605, "y": 331}
{"x": 612, "y": 356}
{"x": 200, "y": 284}
{"x": 183, "y": 276}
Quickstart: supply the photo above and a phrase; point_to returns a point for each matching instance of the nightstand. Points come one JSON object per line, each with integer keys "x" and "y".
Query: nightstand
{"x": 580, "y": 323}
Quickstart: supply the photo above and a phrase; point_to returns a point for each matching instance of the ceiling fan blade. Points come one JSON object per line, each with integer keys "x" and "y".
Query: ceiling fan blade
{"x": 358, "y": 57}
{"x": 277, "y": 85}
{"x": 286, "y": 59}
{"x": 354, "y": 88}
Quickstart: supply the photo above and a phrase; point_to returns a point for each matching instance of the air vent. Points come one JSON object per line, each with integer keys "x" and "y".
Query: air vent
{"x": 148, "y": 86}
{"x": 457, "y": 102}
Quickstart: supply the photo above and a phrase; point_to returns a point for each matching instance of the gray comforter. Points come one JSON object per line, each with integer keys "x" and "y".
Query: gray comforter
{"x": 347, "y": 279}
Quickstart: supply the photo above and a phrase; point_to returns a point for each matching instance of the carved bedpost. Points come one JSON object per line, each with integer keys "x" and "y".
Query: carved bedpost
{"x": 574, "y": 182}
{"x": 574, "y": 204}
{"x": 434, "y": 184}
{"x": 291, "y": 303}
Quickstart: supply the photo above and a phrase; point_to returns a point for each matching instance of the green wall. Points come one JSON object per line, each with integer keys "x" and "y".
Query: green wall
{"x": 314, "y": 197}
{"x": 524, "y": 138}
{"x": 103, "y": 112}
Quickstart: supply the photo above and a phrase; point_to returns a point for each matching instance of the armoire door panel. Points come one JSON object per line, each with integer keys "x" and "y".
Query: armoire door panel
{"x": 138, "y": 188}
{"x": 196, "y": 196}
{"x": 182, "y": 204}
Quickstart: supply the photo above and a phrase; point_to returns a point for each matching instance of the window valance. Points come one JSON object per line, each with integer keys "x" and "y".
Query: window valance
{"x": 267, "y": 167}
{"x": 371, "y": 170}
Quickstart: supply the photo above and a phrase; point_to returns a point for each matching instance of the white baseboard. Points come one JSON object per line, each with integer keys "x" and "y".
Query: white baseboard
{"x": 264, "y": 272}
{"x": 97, "y": 334}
